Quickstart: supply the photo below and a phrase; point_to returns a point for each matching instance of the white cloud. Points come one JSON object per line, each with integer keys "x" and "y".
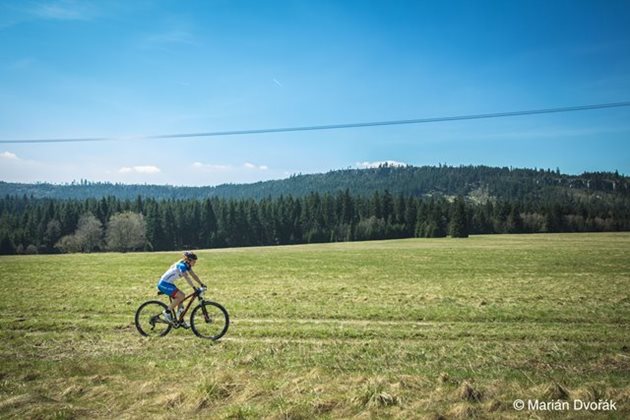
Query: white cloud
{"x": 249, "y": 165}
{"x": 148, "y": 169}
{"x": 365, "y": 165}
{"x": 8, "y": 155}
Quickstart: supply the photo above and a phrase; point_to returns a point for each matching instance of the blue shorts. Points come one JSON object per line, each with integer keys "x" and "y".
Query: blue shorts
{"x": 169, "y": 289}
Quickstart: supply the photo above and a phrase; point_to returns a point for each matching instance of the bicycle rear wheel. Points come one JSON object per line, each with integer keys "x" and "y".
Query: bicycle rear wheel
{"x": 209, "y": 320}
{"x": 149, "y": 319}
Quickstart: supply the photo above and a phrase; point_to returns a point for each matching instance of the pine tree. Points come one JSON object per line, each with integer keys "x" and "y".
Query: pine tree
{"x": 6, "y": 245}
{"x": 387, "y": 206}
{"x": 255, "y": 226}
{"x": 411, "y": 211}
{"x": 169, "y": 227}
{"x": 514, "y": 221}
{"x": 376, "y": 206}
{"x": 553, "y": 219}
{"x": 155, "y": 232}
{"x": 458, "y": 225}
{"x": 208, "y": 225}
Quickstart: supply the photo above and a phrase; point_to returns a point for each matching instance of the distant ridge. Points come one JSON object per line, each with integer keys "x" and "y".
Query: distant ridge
{"x": 475, "y": 182}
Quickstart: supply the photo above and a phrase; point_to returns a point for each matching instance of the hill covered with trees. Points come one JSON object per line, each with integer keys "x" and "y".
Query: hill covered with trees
{"x": 477, "y": 183}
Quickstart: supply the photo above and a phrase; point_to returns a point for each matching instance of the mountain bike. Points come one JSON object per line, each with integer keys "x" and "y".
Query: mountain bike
{"x": 208, "y": 320}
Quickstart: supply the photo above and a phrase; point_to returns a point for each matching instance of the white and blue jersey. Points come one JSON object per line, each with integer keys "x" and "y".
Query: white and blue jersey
{"x": 176, "y": 271}
{"x": 167, "y": 282}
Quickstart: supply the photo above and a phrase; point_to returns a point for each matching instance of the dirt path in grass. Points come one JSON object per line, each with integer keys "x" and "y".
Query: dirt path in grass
{"x": 366, "y": 322}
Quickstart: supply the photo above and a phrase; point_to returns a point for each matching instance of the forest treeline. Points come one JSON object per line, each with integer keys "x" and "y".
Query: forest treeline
{"x": 36, "y": 225}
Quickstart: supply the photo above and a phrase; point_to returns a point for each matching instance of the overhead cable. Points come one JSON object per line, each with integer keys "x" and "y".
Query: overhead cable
{"x": 325, "y": 127}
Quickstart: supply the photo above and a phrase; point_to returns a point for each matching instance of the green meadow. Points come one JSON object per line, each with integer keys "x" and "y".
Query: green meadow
{"x": 417, "y": 328}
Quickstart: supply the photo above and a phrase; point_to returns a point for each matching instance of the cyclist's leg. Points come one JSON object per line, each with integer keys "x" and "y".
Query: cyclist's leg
{"x": 177, "y": 298}
{"x": 170, "y": 290}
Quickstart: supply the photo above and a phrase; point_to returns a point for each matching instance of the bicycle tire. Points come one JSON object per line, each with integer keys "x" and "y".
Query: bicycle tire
{"x": 207, "y": 322}
{"x": 151, "y": 312}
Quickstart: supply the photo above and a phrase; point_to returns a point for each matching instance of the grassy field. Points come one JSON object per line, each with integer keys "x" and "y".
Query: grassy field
{"x": 403, "y": 329}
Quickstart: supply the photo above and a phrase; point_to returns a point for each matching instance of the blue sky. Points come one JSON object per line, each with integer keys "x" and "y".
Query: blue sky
{"x": 72, "y": 69}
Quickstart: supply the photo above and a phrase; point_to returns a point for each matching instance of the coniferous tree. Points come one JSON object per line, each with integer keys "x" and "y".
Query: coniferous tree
{"x": 169, "y": 227}
{"x": 208, "y": 225}
{"x": 347, "y": 208}
{"x": 6, "y": 245}
{"x": 458, "y": 225}
{"x": 553, "y": 218}
{"x": 387, "y": 206}
{"x": 256, "y": 229}
{"x": 514, "y": 221}
{"x": 411, "y": 211}
{"x": 156, "y": 239}
{"x": 376, "y": 207}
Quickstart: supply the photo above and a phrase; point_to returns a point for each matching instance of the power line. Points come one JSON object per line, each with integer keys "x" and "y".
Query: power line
{"x": 326, "y": 127}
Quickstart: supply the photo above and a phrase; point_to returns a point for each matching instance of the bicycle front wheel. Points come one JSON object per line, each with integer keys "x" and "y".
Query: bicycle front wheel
{"x": 149, "y": 319}
{"x": 209, "y": 320}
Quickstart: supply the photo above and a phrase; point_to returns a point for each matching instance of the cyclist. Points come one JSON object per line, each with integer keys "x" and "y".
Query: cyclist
{"x": 166, "y": 285}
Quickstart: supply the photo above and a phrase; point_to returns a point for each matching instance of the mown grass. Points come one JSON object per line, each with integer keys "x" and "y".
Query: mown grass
{"x": 390, "y": 329}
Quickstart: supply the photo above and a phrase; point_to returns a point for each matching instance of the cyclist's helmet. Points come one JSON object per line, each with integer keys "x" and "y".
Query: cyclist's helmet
{"x": 190, "y": 256}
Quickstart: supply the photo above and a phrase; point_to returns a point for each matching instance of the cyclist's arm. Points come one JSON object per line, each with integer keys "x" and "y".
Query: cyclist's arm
{"x": 196, "y": 277}
{"x": 187, "y": 277}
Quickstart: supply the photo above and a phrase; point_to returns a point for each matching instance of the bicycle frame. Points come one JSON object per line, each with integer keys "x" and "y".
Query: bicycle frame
{"x": 185, "y": 311}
